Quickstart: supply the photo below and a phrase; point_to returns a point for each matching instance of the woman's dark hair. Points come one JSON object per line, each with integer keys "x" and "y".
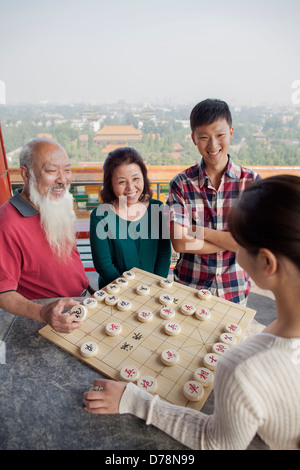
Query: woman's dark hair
{"x": 116, "y": 158}
{"x": 209, "y": 111}
{"x": 267, "y": 215}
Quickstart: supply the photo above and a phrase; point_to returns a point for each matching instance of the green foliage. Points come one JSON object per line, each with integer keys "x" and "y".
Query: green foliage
{"x": 161, "y": 127}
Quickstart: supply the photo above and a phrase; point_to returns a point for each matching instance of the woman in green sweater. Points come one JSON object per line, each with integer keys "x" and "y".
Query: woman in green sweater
{"x": 128, "y": 228}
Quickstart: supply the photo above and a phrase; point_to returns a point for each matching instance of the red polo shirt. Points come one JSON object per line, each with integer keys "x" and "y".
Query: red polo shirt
{"x": 27, "y": 264}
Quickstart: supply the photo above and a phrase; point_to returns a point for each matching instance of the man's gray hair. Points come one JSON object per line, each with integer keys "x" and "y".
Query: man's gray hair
{"x": 27, "y": 151}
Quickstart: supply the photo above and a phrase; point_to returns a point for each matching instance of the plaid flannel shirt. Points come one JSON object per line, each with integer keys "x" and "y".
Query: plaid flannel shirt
{"x": 193, "y": 200}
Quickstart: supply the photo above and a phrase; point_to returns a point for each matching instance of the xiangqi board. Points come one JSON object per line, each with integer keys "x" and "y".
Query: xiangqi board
{"x": 140, "y": 344}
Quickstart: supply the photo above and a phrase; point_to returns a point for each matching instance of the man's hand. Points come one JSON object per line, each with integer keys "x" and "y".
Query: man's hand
{"x": 104, "y": 401}
{"x": 60, "y": 322}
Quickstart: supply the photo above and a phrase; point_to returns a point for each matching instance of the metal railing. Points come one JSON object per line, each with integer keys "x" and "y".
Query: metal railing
{"x": 158, "y": 184}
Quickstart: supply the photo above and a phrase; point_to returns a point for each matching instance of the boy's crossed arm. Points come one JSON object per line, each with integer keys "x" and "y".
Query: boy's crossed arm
{"x": 200, "y": 240}
{"x": 220, "y": 238}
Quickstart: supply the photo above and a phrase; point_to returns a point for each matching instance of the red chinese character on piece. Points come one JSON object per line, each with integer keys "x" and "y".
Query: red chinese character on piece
{"x": 167, "y": 310}
{"x": 221, "y": 348}
{"x": 228, "y": 337}
{"x": 113, "y": 327}
{"x": 232, "y": 327}
{"x": 188, "y": 307}
{"x": 193, "y": 388}
{"x": 130, "y": 372}
{"x": 204, "y": 292}
{"x": 212, "y": 359}
{"x": 146, "y": 383}
{"x": 145, "y": 314}
{"x": 173, "y": 326}
{"x": 170, "y": 354}
{"x": 203, "y": 374}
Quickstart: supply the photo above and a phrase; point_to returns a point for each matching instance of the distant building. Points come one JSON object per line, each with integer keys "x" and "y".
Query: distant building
{"x": 110, "y": 148}
{"x": 260, "y": 137}
{"x": 177, "y": 150}
{"x": 44, "y": 136}
{"x": 121, "y": 135}
{"x": 84, "y": 140}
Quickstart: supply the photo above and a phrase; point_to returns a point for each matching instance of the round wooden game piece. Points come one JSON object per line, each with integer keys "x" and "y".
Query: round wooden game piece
{"x": 193, "y": 390}
{"x": 228, "y": 338}
{"x": 145, "y": 316}
{"x": 233, "y": 328}
{"x": 143, "y": 290}
{"x": 167, "y": 313}
{"x": 166, "y": 283}
{"x": 172, "y": 328}
{"x": 80, "y": 312}
{"x": 111, "y": 299}
{"x": 122, "y": 282}
{"x": 129, "y": 373}
{"x": 202, "y": 314}
{"x": 113, "y": 329}
{"x": 169, "y": 357}
{"x": 129, "y": 275}
{"x": 124, "y": 305}
{"x": 166, "y": 299}
{"x": 90, "y": 302}
{"x": 204, "y": 376}
{"x": 204, "y": 294}
{"x": 210, "y": 360}
{"x": 220, "y": 348}
{"x": 88, "y": 349}
{"x": 187, "y": 309}
{"x": 148, "y": 383}
{"x": 112, "y": 288}
{"x": 100, "y": 295}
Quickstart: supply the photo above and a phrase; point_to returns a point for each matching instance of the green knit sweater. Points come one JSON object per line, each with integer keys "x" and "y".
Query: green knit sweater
{"x": 118, "y": 245}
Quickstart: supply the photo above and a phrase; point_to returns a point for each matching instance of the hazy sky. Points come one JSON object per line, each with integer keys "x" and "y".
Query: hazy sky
{"x": 100, "y": 51}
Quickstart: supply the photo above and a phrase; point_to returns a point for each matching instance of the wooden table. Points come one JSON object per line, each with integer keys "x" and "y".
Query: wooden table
{"x": 41, "y": 389}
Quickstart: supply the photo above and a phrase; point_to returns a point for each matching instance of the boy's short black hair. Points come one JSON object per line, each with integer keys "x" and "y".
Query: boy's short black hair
{"x": 208, "y": 111}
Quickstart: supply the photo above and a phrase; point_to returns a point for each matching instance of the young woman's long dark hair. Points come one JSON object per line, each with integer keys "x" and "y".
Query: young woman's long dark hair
{"x": 116, "y": 158}
{"x": 268, "y": 216}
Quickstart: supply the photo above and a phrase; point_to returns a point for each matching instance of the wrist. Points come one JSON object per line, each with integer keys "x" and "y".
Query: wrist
{"x": 41, "y": 313}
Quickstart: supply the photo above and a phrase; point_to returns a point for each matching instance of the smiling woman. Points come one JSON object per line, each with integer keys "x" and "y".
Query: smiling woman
{"x": 128, "y": 229}
{"x": 128, "y": 186}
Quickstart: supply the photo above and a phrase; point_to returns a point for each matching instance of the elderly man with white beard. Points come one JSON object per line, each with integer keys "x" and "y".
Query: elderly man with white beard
{"x": 38, "y": 254}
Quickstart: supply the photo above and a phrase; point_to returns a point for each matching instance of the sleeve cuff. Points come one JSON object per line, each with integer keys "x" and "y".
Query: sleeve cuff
{"x": 137, "y": 402}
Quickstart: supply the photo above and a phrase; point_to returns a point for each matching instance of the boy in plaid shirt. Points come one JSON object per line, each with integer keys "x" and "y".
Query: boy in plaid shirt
{"x": 200, "y": 199}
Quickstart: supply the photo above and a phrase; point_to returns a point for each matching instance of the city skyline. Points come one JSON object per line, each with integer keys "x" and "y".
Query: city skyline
{"x": 92, "y": 52}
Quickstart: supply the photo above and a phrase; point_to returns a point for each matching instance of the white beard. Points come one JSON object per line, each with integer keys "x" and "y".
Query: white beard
{"x": 57, "y": 220}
